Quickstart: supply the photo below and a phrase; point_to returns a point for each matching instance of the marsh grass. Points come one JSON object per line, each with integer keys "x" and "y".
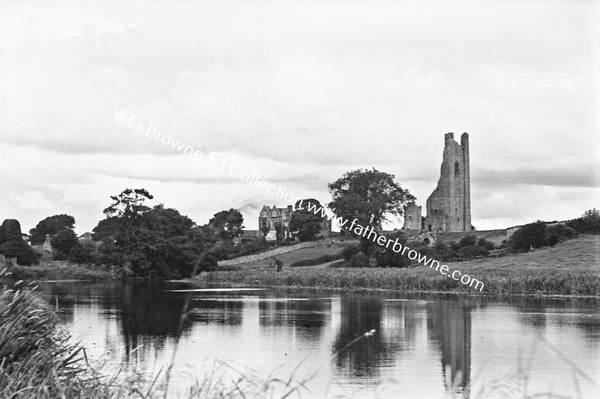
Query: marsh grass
{"x": 58, "y": 270}
{"x": 570, "y": 268}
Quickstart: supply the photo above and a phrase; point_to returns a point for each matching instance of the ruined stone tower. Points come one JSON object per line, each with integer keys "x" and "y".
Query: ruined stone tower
{"x": 449, "y": 206}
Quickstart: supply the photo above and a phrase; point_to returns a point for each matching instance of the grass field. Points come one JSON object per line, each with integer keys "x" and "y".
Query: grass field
{"x": 569, "y": 268}
{"x": 325, "y": 247}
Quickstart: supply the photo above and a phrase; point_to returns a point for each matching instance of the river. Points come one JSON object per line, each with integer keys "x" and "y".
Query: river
{"x": 424, "y": 346}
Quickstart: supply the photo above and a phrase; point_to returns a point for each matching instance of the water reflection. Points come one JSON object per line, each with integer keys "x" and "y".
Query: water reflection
{"x": 449, "y": 324}
{"x": 425, "y": 346}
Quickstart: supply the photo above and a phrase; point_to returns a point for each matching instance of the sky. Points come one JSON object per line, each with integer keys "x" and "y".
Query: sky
{"x": 297, "y": 92}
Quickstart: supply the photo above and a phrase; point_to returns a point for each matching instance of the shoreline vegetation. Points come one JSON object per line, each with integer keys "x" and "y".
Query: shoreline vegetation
{"x": 39, "y": 360}
{"x": 570, "y": 268}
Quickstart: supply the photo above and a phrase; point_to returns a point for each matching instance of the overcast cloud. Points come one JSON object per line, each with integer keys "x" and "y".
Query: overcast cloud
{"x": 299, "y": 92}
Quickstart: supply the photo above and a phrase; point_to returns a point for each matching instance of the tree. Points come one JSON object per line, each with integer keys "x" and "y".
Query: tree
{"x": 13, "y": 245}
{"x": 369, "y": 196}
{"x": 50, "y": 226}
{"x": 279, "y": 230}
{"x": 306, "y": 225}
{"x": 129, "y": 204}
{"x": 153, "y": 242}
{"x": 62, "y": 242}
{"x": 126, "y": 213}
{"x": 84, "y": 252}
{"x": 228, "y": 223}
{"x": 264, "y": 227}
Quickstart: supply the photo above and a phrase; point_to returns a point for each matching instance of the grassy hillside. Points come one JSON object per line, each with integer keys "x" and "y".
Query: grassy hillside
{"x": 570, "y": 268}
{"x": 324, "y": 247}
{"x": 579, "y": 254}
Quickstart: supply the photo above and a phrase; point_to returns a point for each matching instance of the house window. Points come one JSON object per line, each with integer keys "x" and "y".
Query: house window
{"x": 456, "y": 168}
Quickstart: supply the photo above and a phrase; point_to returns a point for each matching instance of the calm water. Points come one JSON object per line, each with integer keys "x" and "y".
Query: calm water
{"x": 427, "y": 346}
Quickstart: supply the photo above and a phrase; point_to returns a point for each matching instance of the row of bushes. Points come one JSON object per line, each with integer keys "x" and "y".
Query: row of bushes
{"x": 533, "y": 235}
{"x": 469, "y": 247}
{"x": 538, "y": 235}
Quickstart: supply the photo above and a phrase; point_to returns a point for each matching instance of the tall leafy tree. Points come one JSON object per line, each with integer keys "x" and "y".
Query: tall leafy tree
{"x": 63, "y": 242}
{"x": 229, "y": 224}
{"x": 13, "y": 245}
{"x": 154, "y": 242}
{"x": 122, "y": 232}
{"x": 369, "y": 196}
{"x": 50, "y": 226}
{"x": 306, "y": 225}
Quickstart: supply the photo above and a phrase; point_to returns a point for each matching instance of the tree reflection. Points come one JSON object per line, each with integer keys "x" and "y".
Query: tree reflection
{"x": 148, "y": 314}
{"x": 363, "y": 358}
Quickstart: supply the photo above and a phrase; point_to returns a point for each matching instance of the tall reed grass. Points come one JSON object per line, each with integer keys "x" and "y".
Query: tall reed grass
{"x": 420, "y": 279}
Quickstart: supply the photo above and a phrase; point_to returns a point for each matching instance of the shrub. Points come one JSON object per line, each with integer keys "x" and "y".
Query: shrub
{"x": 454, "y": 246}
{"x": 473, "y": 251}
{"x": 350, "y": 250}
{"x": 558, "y": 233}
{"x": 482, "y": 242}
{"x": 588, "y": 223}
{"x": 389, "y": 258}
{"x": 359, "y": 260}
{"x": 532, "y": 235}
{"x": 439, "y": 247}
{"x": 467, "y": 240}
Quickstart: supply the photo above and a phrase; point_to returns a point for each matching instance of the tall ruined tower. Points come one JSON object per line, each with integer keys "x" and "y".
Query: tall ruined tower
{"x": 449, "y": 206}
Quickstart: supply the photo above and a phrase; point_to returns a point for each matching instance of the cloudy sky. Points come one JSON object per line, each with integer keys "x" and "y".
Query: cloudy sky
{"x": 298, "y": 92}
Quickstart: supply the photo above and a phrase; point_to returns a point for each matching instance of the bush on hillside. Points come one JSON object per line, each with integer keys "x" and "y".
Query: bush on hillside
{"x": 468, "y": 240}
{"x": 532, "y": 235}
{"x": 350, "y": 250}
{"x": 482, "y": 242}
{"x": 358, "y": 260}
{"x": 588, "y": 223}
{"x": 473, "y": 251}
{"x": 558, "y": 233}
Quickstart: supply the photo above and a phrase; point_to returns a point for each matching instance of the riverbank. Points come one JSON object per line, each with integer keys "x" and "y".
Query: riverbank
{"x": 570, "y": 268}
{"x": 38, "y": 360}
{"x": 60, "y": 271}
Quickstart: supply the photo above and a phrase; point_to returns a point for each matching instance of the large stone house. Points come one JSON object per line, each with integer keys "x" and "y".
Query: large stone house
{"x": 273, "y": 220}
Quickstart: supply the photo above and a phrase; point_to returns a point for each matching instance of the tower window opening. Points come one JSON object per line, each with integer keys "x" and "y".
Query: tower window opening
{"x": 456, "y": 168}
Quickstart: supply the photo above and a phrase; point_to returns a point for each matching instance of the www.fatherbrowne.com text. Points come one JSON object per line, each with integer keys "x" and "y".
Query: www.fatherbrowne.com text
{"x": 370, "y": 234}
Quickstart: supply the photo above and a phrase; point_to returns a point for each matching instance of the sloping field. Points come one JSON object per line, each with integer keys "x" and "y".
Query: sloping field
{"x": 325, "y": 247}
{"x": 579, "y": 254}
{"x": 570, "y": 268}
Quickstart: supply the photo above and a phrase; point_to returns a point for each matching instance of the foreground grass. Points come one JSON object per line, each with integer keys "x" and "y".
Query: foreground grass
{"x": 570, "y": 268}
{"x": 38, "y": 360}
